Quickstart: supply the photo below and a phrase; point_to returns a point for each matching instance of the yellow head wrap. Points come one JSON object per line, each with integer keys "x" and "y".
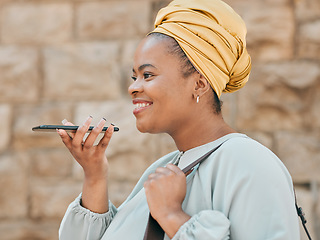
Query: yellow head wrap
{"x": 212, "y": 35}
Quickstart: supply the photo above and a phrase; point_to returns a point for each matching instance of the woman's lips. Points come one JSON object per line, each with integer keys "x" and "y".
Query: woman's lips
{"x": 140, "y": 105}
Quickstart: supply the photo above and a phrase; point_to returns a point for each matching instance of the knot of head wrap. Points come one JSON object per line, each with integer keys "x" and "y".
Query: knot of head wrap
{"x": 212, "y": 35}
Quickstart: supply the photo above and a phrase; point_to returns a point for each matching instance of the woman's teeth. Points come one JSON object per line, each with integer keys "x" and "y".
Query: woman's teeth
{"x": 141, "y": 105}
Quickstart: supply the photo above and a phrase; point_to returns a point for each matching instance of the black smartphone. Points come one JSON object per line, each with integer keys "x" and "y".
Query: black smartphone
{"x": 52, "y": 128}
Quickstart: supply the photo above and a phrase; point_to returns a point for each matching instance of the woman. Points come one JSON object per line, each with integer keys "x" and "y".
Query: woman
{"x": 241, "y": 191}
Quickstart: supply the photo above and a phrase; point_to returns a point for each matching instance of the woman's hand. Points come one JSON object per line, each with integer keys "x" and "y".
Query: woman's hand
{"x": 93, "y": 160}
{"x": 165, "y": 191}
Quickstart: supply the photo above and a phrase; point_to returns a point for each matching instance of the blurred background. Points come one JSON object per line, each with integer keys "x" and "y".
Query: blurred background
{"x": 73, "y": 58}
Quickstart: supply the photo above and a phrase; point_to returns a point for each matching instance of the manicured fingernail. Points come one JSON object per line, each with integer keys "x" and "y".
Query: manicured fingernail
{"x": 111, "y": 127}
{"x": 86, "y": 122}
{"x": 102, "y": 122}
{"x": 64, "y": 121}
{"x": 58, "y": 131}
{"x": 89, "y": 118}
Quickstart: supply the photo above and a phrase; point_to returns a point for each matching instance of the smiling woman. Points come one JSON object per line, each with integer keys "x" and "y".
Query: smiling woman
{"x": 241, "y": 191}
{"x": 160, "y": 83}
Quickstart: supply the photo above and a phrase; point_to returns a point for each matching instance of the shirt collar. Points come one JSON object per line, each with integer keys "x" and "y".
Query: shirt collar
{"x": 193, "y": 154}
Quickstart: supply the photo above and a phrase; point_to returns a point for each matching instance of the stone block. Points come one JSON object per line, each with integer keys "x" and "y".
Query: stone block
{"x": 268, "y": 120}
{"x": 269, "y": 109}
{"x": 36, "y": 22}
{"x": 306, "y": 10}
{"x": 265, "y": 139}
{"x": 127, "y": 167}
{"x": 277, "y": 95}
{"x": 270, "y": 28}
{"x": 51, "y": 163}
{"x": 50, "y": 199}
{"x": 233, "y": 3}
{"x": 19, "y": 73}
{"x": 28, "y": 116}
{"x": 77, "y": 171}
{"x": 5, "y": 127}
{"x": 287, "y": 73}
{"x": 313, "y": 118}
{"x": 3, "y": 2}
{"x": 119, "y": 191}
{"x": 155, "y": 7}
{"x": 112, "y": 19}
{"x": 300, "y": 152}
{"x": 14, "y": 185}
{"x": 82, "y": 71}
{"x": 276, "y": 2}
{"x": 29, "y": 229}
{"x": 309, "y": 40}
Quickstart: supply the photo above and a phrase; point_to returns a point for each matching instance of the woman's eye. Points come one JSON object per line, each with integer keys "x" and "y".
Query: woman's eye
{"x": 134, "y": 78}
{"x": 147, "y": 75}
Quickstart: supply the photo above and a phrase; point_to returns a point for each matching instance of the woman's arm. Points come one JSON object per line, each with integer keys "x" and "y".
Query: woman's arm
{"x": 93, "y": 161}
{"x": 91, "y": 213}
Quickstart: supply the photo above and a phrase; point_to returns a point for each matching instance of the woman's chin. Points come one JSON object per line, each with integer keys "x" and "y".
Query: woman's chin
{"x": 141, "y": 127}
{"x": 144, "y": 128}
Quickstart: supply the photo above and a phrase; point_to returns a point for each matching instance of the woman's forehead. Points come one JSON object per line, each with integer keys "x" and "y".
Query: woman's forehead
{"x": 154, "y": 51}
{"x": 152, "y": 45}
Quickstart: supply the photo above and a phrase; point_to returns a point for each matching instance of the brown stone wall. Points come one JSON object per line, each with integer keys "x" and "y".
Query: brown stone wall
{"x": 72, "y": 58}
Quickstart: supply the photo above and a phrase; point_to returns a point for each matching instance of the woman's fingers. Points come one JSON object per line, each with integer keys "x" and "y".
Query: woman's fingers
{"x": 79, "y": 135}
{"x": 104, "y": 142}
{"x": 66, "y": 139}
{"x": 67, "y": 123}
{"x": 94, "y": 134}
{"x": 169, "y": 169}
{"x": 175, "y": 169}
{"x": 75, "y": 141}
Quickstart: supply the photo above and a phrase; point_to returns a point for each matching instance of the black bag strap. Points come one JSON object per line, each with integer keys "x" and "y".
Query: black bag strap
{"x": 153, "y": 229}
{"x": 301, "y": 215}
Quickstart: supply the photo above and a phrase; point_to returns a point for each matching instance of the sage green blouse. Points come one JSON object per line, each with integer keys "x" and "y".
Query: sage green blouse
{"x": 240, "y": 192}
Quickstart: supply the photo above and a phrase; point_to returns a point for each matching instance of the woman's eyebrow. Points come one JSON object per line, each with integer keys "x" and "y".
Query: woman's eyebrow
{"x": 140, "y": 68}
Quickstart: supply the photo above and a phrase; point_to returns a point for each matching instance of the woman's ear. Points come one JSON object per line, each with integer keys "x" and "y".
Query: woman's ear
{"x": 201, "y": 86}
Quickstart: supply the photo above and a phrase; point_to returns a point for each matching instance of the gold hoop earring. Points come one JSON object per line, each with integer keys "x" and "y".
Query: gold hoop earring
{"x": 198, "y": 99}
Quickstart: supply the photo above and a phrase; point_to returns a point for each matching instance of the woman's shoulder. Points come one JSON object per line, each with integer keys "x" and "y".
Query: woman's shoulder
{"x": 242, "y": 146}
{"x": 242, "y": 160}
{"x": 243, "y": 154}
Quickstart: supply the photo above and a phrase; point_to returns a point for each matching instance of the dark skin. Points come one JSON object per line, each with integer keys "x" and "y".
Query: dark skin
{"x": 165, "y": 103}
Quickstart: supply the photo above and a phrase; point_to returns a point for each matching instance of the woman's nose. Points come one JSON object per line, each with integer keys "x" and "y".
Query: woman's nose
{"x": 135, "y": 87}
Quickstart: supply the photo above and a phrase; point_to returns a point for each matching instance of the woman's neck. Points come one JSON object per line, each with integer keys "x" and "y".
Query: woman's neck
{"x": 200, "y": 132}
